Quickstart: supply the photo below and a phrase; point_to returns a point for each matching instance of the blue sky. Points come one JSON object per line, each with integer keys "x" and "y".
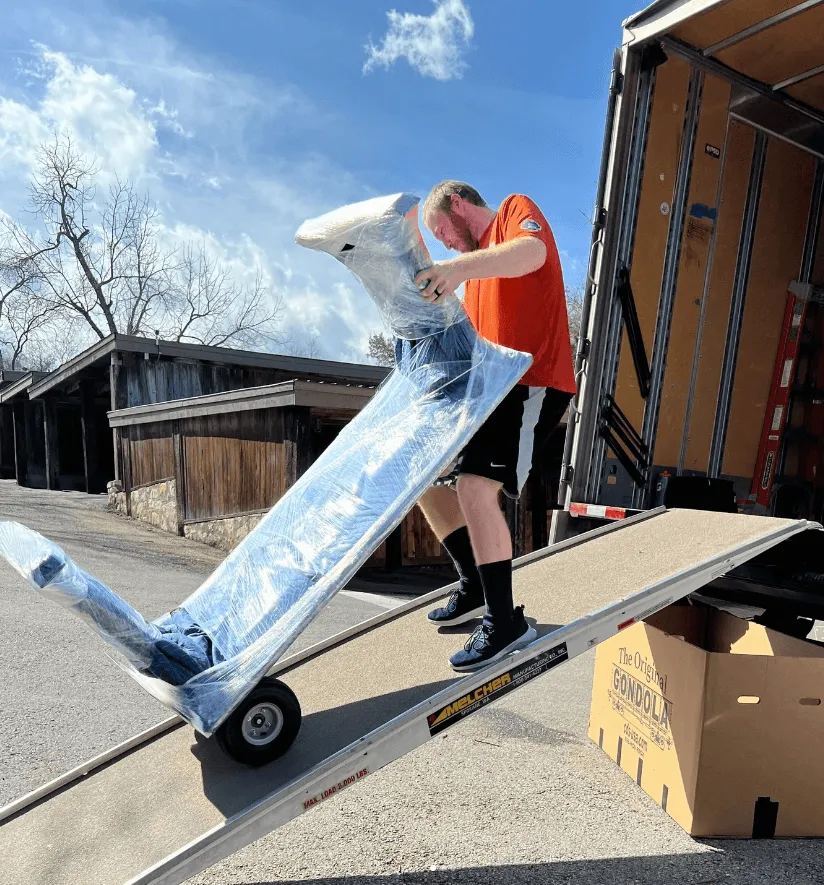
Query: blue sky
{"x": 245, "y": 117}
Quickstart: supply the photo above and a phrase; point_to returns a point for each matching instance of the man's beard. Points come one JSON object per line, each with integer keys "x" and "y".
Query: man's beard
{"x": 469, "y": 242}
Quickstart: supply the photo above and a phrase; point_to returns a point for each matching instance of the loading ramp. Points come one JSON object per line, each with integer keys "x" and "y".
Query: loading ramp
{"x": 167, "y": 804}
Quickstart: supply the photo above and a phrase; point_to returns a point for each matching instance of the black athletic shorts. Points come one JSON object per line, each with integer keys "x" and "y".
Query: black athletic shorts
{"x": 517, "y": 431}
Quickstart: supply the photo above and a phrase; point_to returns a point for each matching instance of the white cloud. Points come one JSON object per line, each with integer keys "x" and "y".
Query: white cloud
{"x": 103, "y": 115}
{"x": 338, "y": 315}
{"x": 434, "y": 45}
{"x": 21, "y": 131}
{"x": 169, "y": 119}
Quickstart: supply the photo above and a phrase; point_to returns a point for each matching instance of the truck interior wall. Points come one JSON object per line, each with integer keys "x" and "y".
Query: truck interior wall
{"x": 666, "y": 130}
{"x": 692, "y": 271}
{"x": 781, "y": 51}
{"x": 818, "y": 265}
{"x": 810, "y": 91}
{"x": 776, "y": 261}
{"x": 727, "y": 19}
{"x": 737, "y": 162}
{"x": 799, "y": 483}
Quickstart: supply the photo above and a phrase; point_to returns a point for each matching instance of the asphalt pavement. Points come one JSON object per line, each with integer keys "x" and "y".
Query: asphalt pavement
{"x": 63, "y": 697}
{"x": 516, "y": 794}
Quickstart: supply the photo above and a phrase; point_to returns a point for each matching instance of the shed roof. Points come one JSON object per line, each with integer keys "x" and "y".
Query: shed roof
{"x": 271, "y": 396}
{"x": 20, "y": 387}
{"x": 100, "y": 355}
{"x": 7, "y": 376}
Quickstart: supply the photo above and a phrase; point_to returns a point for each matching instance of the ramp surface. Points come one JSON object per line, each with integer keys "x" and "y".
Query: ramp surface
{"x": 130, "y": 814}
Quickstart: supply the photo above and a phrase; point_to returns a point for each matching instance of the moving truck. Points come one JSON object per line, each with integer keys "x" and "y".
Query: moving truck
{"x": 700, "y": 362}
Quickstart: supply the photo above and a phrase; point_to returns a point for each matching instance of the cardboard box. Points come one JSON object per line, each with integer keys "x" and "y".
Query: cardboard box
{"x": 718, "y": 720}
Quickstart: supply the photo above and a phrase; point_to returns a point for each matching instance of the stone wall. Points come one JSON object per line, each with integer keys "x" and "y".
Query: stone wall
{"x": 156, "y": 504}
{"x": 117, "y": 497}
{"x": 225, "y": 534}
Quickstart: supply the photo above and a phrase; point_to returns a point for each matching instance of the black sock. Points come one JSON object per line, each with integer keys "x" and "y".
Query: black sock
{"x": 459, "y": 547}
{"x": 496, "y": 578}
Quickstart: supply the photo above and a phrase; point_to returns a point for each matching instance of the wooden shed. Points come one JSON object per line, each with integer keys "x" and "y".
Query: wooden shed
{"x": 22, "y": 443}
{"x": 7, "y": 378}
{"x": 66, "y": 441}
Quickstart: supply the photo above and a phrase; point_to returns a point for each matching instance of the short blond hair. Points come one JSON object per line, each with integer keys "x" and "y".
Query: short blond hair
{"x": 440, "y": 197}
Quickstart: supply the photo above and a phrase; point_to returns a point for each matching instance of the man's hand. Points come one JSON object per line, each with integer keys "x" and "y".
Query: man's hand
{"x": 514, "y": 258}
{"x": 442, "y": 279}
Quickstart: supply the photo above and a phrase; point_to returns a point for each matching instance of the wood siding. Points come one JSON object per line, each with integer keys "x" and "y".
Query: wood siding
{"x": 140, "y": 381}
{"x": 151, "y": 453}
{"x": 235, "y": 463}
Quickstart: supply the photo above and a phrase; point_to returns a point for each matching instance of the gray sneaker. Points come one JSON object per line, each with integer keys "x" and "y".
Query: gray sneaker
{"x": 461, "y": 607}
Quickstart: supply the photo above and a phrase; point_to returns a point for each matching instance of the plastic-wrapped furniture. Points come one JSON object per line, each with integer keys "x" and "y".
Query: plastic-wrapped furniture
{"x": 208, "y": 659}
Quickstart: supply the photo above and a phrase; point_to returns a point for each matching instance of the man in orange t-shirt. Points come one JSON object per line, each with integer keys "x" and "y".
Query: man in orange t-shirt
{"x": 514, "y": 296}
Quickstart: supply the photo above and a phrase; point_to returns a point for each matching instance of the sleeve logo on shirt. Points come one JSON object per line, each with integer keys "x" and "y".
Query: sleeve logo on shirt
{"x": 529, "y": 224}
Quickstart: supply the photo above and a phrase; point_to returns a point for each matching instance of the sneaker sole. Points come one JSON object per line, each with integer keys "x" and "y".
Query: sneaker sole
{"x": 530, "y": 636}
{"x": 462, "y": 619}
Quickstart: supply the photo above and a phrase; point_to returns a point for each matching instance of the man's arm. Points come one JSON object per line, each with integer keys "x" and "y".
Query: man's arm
{"x": 515, "y": 258}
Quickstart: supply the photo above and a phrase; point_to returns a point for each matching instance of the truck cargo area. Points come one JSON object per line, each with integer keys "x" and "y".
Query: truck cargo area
{"x": 703, "y": 350}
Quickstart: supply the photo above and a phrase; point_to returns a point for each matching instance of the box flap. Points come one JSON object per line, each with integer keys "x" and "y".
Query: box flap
{"x": 731, "y": 635}
{"x": 687, "y": 622}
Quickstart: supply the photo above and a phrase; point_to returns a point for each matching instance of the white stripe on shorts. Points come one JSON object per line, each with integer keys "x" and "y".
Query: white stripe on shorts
{"x": 526, "y": 444}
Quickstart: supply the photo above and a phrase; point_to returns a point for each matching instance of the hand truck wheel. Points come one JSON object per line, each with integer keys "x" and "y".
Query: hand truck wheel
{"x": 263, "y": 727}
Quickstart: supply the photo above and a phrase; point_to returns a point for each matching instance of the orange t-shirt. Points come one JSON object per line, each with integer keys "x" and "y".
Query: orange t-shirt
{"x": 527, "y": 313}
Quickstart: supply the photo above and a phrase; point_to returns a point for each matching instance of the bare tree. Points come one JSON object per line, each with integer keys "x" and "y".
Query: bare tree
{"x": 148, "y": 279}
{"x": 54, "y": 343}
{"x": 308, "y": 346}
{"x": 313, "y": 348}
{"x": 22, "y": 313}
{"x": 575, "y": 307}
{"x": 104, "y": 262}
{"x": 381, "y": 349}
{"x": 205, "y": 305}
{"x": 24, "y": 317}
{"x": 17, "y": 277}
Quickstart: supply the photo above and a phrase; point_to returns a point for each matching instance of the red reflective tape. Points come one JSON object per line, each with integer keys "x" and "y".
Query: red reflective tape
{"x": 626, "y": 624}
{"x": 597, "y": 511}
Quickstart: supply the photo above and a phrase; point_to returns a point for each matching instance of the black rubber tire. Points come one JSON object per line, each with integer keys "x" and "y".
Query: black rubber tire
{"x": 230, "y": 735}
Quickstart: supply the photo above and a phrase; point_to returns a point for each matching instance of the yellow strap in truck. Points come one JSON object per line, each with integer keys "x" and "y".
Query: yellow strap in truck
{"x": 159, "y": 810}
